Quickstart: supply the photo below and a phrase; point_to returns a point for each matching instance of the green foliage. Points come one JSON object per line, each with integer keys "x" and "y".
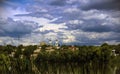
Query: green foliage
{"x": 8, "y": 49}
{"x": 117, "y": 48}
{"x": 18, "y": 53}
{"x": 85, "y": 54}
{"x": 29, "y": 50}
{"x": 4, "y": 61}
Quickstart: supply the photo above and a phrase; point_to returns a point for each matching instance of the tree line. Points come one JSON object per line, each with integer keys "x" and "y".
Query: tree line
{"x": 21, "y": 59}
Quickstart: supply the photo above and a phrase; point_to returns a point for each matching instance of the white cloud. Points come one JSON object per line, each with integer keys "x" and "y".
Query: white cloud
{"x": 48, "y": 16}
{"x": 113, "y": 20}
{"x": 11, "y": 12}
{"x": 18, "y": 10}
{"x": 112, "y": 42}
{"x": 76, "y": 22}
{"x": 94, "y": 14}
{"x": 46, "y": 23}
{"x": 71, "y": 10}
{"x": 54, "y": 27}
{"x": 69, "y": 39}
{"x": 51, "y": 35}
{"x": 40, "y": 21}
{"x": 80, "y": 1}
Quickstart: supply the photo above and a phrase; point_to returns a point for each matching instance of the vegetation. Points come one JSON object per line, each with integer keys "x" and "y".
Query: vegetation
{"x": 18, "y": 58}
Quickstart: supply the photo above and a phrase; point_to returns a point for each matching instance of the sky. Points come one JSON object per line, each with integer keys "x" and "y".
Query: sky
{"x": 79, "y": 22}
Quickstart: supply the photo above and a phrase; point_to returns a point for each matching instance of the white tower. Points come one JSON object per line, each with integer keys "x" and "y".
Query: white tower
{"x": 56, "y": 43}
{"x": 50, "y": 42}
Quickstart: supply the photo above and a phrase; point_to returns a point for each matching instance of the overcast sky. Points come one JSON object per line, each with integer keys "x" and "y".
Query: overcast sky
{"x": 84, "y": 22}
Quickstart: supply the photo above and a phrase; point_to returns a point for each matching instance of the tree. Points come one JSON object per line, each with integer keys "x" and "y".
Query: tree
{"x": 29, "y": 50}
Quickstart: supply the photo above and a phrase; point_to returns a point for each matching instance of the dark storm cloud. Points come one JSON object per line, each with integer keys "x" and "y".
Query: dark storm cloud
{"x": 97, "y": 28}
{"x": 94, "y": 26}
{"x": 93, "y": 13}
{"x": 36, "y": 14}
{"x": 90, "y": 25}
{"x": 85, "y": 39}
{"x": 58, "y": 2}
{"x": 107, "y": 4}
{"x": 15, "y": 28}
{"x": 117, "y": 28}
{"x": 93, "y": 22}
{"x": 2, "y": 2}
{"x": 112, "y": 37}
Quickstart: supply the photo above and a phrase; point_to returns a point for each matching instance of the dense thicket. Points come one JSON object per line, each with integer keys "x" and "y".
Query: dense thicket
{"x": 22, "y": 61}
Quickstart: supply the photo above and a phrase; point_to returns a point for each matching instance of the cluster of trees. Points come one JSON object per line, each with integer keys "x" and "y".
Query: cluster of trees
{"x": 101, "y": 53}
{"x": 11, "y": 61}
{"x": 84, "y": 54}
